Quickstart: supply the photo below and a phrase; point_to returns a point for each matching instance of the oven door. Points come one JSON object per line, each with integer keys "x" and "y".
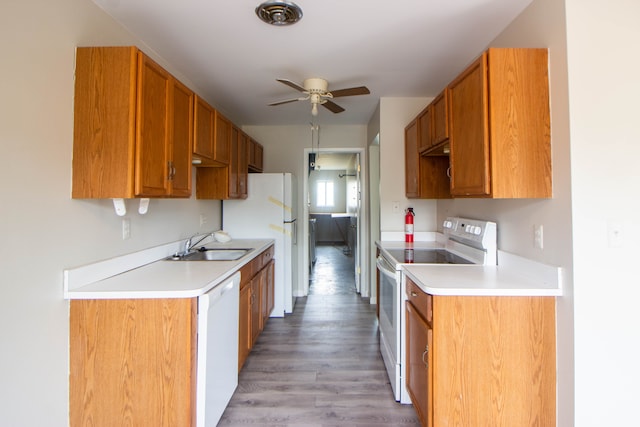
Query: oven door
{"x": 390, "y": 321}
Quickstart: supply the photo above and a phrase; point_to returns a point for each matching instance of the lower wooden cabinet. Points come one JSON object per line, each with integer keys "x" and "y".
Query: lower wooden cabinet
{"x": 244, "y": 331}
{"x": 133, "y": 362}
{"x": 481, "y": 360}
{"x": 419, "y": 364}
{"x": 228, "y": 182}
{"x": 256, "y": 301}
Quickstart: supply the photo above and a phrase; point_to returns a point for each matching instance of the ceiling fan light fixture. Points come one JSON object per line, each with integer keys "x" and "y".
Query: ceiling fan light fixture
{"x": 279, "y": 12}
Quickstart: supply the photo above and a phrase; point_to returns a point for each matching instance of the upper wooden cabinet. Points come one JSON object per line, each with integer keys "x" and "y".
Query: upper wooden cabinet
{"x": 425, "y": 176}
{"x": 499, "y": 126}
{"x": 212, "y": 140}
{"x": 133, "y": 127}
{"x": 424, "y": 134}
{"x": 487, "y": 134}
{"x": 440, "y": 119}
{"x": 255, "y": 156}
{"x": 433, "y": 127}
{"x": 228, "y": 182}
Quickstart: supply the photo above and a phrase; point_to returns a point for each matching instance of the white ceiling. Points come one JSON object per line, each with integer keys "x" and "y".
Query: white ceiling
{"x": 399, "y": 48}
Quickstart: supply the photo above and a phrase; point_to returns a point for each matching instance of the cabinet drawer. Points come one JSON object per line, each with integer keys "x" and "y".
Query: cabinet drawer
{"x": 246, "y": 274}
{"x": 263, "y": 259}
{"x": 422, "y": 301}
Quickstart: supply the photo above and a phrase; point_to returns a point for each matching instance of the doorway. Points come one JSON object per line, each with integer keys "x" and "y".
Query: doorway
{"x": 334, "y": 193}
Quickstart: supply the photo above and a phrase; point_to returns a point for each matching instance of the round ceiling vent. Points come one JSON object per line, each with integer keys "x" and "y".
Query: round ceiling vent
{"x": 279, "y": 12}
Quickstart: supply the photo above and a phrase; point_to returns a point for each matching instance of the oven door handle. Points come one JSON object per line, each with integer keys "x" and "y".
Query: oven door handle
{"x": 383, "y": 267}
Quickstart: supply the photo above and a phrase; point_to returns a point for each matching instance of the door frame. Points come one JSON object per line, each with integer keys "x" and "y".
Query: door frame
{"x": 362, "y": 223}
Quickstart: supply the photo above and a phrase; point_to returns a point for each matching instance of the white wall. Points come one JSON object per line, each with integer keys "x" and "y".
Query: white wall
{"x": 395, "y": 115}
{"x": 43, "y": 230}
{"x": 604, "y": 88}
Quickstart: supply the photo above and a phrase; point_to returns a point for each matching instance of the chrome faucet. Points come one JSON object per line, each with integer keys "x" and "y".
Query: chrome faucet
{"x": 188, "y": 246}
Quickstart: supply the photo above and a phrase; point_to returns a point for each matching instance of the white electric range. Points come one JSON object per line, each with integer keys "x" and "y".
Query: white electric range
{"x": 465, "y": 241}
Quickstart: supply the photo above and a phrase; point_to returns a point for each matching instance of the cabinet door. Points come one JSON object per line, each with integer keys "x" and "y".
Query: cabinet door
{"x": 469, "y": 133}
{"x": 419, "y": 364}
{"x": 425, "y": 129}
{"x": 411, "y": 161}
{"x": 136, "y": 358}
{"x": 243, "y": 165}
{"x": 182, "y": 136}
{"x": 440, "y": 119}
{"x": 104, "y": 122}
{"x": 255, "y": 156}
{"x": 256, "y": 318}
{"x": 152, "y": 129}
{"x": 222, "y": 143}
{"x": 244, "y": 337}
{"x": 259, "y": 157}
{"x": 270, "y": 286}
{"x": 233, "y": 163}
{"x": 204, "y": 124}
{"x": 264, "y": 297}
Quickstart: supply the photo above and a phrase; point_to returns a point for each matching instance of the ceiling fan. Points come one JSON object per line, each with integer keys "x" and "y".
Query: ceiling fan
{"x": 317, "y": 92}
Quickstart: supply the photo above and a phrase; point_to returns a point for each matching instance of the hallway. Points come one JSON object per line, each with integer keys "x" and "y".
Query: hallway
{"x": 319, "y": 366}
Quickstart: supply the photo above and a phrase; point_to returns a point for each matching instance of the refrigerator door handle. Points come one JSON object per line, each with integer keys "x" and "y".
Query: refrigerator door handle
{"x": 294, "y": 230}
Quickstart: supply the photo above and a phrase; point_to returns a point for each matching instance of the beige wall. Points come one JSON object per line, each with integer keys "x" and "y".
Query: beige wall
{"x": 604, "y": 88}
{"x": 44, "y": 231}
{"x": 395, "y": 114}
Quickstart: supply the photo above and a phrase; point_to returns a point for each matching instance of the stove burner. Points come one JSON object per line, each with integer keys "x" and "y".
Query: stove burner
{"x": 426, "y": 256}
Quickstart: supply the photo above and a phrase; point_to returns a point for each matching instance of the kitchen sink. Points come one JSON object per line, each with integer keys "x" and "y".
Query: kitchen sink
{"x": 212, "y": 254}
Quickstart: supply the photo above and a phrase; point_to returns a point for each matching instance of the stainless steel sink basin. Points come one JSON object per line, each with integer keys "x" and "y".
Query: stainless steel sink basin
{"x": 213, "y": 254}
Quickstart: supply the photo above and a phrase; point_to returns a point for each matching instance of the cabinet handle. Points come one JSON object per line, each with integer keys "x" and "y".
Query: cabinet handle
{"x": 449, "y": 171}
{"x": 171, "y": 170}
{"x": 425, "y": 353}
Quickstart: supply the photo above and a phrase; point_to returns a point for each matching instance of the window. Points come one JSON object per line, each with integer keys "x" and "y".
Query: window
{"x": 324, "y": 193}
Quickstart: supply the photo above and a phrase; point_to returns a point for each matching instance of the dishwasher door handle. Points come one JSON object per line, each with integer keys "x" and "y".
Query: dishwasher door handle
{"x": 382, "y": 265}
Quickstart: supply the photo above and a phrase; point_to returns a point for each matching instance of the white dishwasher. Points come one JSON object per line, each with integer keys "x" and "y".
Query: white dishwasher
{"x": 217, "y": 375}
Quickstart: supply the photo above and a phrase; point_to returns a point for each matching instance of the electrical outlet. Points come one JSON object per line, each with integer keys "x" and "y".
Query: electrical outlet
{"x": 395, "y": 207}
{"x": 126, "y": 228}
{"x": 538, "y": 237}
{"x": 203, "y": 220}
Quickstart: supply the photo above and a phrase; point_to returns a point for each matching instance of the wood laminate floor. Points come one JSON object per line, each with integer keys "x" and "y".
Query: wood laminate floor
{"x": 319, "y": 366}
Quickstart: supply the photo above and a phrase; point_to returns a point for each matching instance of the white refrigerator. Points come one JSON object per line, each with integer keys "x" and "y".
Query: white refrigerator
{"x": 269, "y": 212}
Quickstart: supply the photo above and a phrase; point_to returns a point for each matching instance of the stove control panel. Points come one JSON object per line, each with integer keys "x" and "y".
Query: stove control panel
{"x": 482, "y": 233}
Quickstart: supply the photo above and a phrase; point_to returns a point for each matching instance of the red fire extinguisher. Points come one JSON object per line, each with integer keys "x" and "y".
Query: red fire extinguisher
{"x": 408, "y": 225}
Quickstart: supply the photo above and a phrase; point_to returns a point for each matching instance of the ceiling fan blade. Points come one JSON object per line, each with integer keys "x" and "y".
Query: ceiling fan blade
{"x": 286, "y": 101}
{"x": 333, "y": 107}
{"x": 360, "y": 90}
{"x": 294, "y": 85}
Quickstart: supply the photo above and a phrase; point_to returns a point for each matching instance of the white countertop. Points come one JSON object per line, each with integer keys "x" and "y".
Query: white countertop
{"x": 513, "y": 276}
{"x": 477, "y": 280}
{"x": 146, "y": 274}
